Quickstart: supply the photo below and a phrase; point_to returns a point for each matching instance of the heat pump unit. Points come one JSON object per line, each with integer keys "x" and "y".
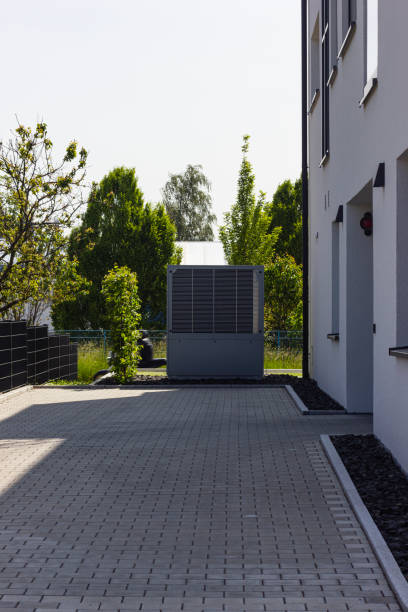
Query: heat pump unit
{"x": 215, "y": 321}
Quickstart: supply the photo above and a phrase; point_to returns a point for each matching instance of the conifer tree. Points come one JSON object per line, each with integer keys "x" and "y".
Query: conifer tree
{"x": 244, "y": 235}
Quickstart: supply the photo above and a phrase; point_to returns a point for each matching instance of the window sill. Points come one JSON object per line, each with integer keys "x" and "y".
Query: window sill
{"x": 347, "y": 40}
{"x": 325, "y": 159}
{"x": 313, "y": 103}
{"x": 332, "y": 76}
{"x": 398, "y": 351}
{"x": 368, "y": 90}
{"x": 334, "y": 337}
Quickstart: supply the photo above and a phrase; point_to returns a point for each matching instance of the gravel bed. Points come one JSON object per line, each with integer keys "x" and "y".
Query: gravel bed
{"x": 382, "y": 486}
{"x": 308, "y": 391}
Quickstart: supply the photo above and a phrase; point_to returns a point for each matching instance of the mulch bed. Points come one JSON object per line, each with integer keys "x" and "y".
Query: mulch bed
{"x": 308, "y": 391}
{"x": 383, "y": 487}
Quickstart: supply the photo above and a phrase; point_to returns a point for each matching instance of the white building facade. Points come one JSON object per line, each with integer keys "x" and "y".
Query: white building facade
{"x": 358, "y": 175}
{"x": 202, "y": 253}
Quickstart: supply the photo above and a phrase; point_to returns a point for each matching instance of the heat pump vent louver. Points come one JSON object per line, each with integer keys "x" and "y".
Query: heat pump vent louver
{"x": 182, "y": 320}
{"x": 203, "y": 309}
{"x": 225, "y": 298}
{"x": 245, "y": 302}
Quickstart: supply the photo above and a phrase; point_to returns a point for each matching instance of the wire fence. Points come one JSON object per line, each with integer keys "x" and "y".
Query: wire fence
{"x": 284, "y": 339}
{"x": 276, "y": 339}
{"x": 101, "y": 337}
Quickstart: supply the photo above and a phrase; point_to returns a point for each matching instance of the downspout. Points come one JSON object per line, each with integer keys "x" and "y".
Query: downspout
{"x": 305, "y": 198}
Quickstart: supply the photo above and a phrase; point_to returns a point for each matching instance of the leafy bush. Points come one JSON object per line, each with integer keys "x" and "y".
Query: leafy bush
{"x": 283, "y": 294}
{"x": 119, "y": 288}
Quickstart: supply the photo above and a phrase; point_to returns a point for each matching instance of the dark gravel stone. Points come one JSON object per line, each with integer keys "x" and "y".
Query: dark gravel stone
{"x": 382, "y": 486}
{"x": 308, "y": 391}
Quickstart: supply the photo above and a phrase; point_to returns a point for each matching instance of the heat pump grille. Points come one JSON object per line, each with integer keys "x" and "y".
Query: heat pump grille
{"x": 212, "y": 301}
{"x": 182, "y": 301}
{"x": 245, "y": 301}
{"x": 203, "y": 289}
{"x": 225, "y": 300}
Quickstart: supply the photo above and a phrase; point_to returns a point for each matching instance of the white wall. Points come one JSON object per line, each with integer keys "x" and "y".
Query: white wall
{"x": 200, "y": 253}
{"x": 361, "y": 138}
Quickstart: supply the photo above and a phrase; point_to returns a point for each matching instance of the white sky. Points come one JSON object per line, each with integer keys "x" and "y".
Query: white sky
{"x": 159, "y": 84}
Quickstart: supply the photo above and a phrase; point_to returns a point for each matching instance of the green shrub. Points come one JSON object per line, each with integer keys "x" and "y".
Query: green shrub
{"x": 119, "y": 288}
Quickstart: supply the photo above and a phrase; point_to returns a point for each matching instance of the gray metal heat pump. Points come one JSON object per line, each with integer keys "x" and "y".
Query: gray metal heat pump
{"x": 215, "y": 321}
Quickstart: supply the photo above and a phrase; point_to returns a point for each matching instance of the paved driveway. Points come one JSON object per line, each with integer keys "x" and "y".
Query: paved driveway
{"x": 194, "y": 500}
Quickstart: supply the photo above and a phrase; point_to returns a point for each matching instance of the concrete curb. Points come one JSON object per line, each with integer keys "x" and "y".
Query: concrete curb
{"x": 45, "y": 386}
{"x": 385, "y": 557}
{"x": 8, "y": 394}
{"x": 304, "y": 410}
{"x": 159, "y": 387}
{"x": 281, "y": 371}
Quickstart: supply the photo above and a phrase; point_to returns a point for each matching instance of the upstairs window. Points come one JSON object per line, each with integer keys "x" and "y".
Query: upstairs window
{"x": 314, "y": 66}
{"x": 372, "y": 40}
{"x": 335, "y": 278}
{"x": 348, "y": 23}
{"x": 326, "y": 70}
{"x": 333, "y": 40}
{"x": 370, "y": 49}
{"x": 348, "y": 15}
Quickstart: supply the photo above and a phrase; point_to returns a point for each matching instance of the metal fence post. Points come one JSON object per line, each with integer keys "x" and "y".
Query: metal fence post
{"x": 104, "y": 341}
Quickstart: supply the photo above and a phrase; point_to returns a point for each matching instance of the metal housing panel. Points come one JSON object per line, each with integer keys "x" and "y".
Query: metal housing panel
{"x": 215, "y": 321}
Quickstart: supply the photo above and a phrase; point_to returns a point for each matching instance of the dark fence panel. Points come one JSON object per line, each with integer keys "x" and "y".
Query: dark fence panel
{"x": 30, "y": 355}
{"x": 63, "y": 358}
{"x": 53, "y": 357}
{"x": 13, "y": 354}
{"x": 73, "y": 361}
{"x": 37, "y": 355}
{"x": 18, "y": 354}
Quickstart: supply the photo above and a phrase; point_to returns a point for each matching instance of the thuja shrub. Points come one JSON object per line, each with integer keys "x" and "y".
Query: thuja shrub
{"x": 119, "y": 289}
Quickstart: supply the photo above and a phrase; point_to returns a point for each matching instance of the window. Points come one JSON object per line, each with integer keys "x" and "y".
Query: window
{"x": 348, "y": 24}
{"x": 371, "y": 48}
{"x": 335, "y": 277}
{"x": 314, "y": 65}
{"x": 325, "y": 78}
{"x": 333, "y": 41}
{"x": 402, "y": 250}
{"x": 371, "y": 39}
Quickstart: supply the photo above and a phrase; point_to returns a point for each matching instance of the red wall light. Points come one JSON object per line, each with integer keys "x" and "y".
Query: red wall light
{"x": 366, "y": 223}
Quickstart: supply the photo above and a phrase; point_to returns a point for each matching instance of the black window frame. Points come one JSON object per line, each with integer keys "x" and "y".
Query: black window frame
{"x": 326, "y": 71}
{"x": 348, "y": 24}
{"x": 351, "y": 12}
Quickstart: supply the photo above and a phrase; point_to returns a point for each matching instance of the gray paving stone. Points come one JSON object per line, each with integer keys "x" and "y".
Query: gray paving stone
{"x": 195, "y": 500}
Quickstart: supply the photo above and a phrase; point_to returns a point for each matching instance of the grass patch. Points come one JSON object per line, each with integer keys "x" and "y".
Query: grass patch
{"x": 282, "y": 359}
{"x": 59, "y": 382}
{"x": 91, "y": 359}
